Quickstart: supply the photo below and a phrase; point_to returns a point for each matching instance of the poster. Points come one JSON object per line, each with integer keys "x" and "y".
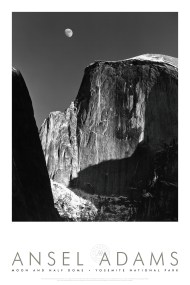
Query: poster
{"x": 95, "y": 252}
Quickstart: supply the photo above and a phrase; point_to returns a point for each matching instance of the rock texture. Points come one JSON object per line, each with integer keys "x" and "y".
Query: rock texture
{"x": 32, "y": 198}
{"x": 72, "y": 207}
{"x": 59, "y": 143}
{"x": 124, "y": 118}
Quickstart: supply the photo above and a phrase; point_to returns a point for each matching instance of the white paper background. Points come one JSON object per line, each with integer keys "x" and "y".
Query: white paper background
{"x": 128, "y": 237}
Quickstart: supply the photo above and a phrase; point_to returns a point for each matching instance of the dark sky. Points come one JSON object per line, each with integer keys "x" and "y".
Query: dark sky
{"x": 53, "y": 64}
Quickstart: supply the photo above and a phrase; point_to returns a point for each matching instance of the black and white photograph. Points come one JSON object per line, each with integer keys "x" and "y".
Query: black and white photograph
{"x": 94, "y": 142}
{"x": 95, "y": 116}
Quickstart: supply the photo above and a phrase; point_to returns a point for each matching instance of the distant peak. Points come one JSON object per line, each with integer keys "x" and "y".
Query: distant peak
{"x": 55, "y": 113}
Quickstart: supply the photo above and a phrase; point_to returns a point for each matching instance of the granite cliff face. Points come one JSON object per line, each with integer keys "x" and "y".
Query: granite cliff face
{"x": 32, "y": 198}
{"x": 59, "y": 143}
{"x": 118, "y": 136}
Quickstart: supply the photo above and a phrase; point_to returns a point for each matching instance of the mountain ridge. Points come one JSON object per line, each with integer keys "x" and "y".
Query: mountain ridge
{"x": 159, "y": 58}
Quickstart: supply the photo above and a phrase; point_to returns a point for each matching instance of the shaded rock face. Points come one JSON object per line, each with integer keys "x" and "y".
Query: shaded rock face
{"x": 126, "y": 114}
{"x": 32, "y": 198}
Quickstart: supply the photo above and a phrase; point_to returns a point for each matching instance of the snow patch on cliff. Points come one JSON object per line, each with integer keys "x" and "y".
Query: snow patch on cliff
{"x": 157, "y": 58}
{"x": 70, "y": 206}
{"x": 145, "y": 57}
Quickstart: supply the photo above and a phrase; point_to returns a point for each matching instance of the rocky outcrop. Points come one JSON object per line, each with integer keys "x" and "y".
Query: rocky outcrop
{"x": 124, "y": 117}
{"x": 32, "y": 198}
{"x": 72, "y": 207}
{"x": 59, "y": 143}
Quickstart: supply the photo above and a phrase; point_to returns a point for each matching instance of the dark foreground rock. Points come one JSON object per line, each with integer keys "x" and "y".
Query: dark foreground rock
{"x": 32, "y": 198}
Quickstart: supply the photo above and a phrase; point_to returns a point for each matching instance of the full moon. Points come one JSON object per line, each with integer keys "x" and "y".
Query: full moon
{"x": 68, "y": 33}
